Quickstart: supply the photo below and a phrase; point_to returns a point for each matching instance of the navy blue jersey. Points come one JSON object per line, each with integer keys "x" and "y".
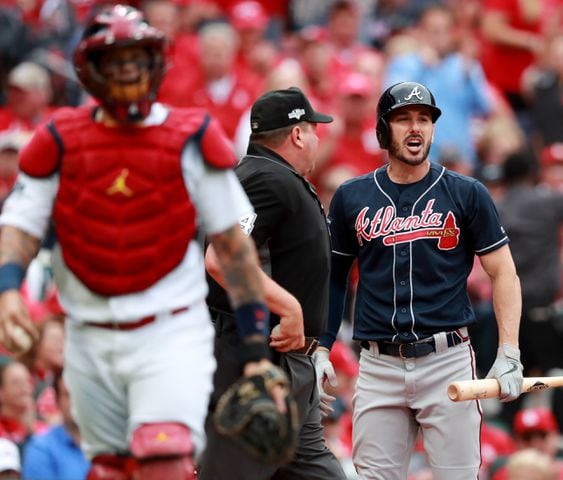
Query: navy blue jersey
{"x": 415, "y": 245}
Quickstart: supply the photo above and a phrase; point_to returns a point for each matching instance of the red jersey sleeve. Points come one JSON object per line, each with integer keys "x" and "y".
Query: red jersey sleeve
{"x": 41, "y": 156}
{"x": 216, "y": 147}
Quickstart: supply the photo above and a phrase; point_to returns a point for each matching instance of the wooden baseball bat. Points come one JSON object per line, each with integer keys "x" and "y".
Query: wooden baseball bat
{"x": 489, "y": 387}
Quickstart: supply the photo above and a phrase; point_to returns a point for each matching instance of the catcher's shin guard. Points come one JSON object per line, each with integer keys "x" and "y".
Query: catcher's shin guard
{"x": 111, "y": 467}
{"x": 162, "y": 451}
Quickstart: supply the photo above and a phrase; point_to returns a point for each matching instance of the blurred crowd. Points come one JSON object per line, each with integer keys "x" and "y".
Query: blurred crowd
{"x": 496, "y": 70}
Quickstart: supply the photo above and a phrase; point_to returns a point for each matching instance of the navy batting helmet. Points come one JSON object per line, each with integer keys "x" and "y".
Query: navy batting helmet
{"x": 398, "y": 96}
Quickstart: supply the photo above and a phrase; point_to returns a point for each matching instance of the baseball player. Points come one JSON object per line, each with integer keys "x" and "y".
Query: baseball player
{"x": 414, "y": 228}
{"x": 128, "y": 184}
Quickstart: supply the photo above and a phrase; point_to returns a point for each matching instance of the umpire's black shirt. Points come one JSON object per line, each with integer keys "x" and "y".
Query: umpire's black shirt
{"x": 290, "y": 233}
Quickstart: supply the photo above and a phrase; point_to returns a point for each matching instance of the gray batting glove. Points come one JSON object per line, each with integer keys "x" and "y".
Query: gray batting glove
{"x": 508, "y": 371}
{"x": 325, "y": 372}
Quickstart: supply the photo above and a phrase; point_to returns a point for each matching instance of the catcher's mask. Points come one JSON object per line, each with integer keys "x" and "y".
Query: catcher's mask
{"x": 121, "y": 27}
{"x": 398, "y": 96}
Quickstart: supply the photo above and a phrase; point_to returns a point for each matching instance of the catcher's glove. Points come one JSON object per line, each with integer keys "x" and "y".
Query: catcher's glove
{"x": 247, "y": 413}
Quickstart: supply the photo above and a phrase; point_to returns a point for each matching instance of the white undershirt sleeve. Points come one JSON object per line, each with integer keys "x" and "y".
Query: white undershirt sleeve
{"x": 29, "y": 205}
{"x": 217, "y": 194}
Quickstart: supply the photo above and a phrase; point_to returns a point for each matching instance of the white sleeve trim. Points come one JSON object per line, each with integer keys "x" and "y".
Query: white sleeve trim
{"x": 336, "y": 252}
{"x": 491, "y": 246}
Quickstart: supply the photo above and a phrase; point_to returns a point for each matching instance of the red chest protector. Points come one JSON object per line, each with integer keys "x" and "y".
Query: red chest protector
{"x": 123, "y": 216}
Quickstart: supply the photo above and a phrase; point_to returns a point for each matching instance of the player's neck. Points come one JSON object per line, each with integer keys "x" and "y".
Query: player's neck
{"x": 400, "y": 172}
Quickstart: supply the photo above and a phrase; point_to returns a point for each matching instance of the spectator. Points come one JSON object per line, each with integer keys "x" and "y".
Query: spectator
{"x": 10, "y": 465}
{"x": 181, "y": 49}
{"x": 496, "y": 443}
{"x": 51, "y": 24}
{"x": 545, "y": 90}
{"x": 346, "y": 369}
{"x": 337, "y": 426}
{"x": 349, "y": 142}
{"x": 533, "y": 429}
{"x": 456, "y": 79}
{"x": 530, "y": 465}
{"x": 316, "y": 56}
{"x": 552, "y": 166}
{"x": 287, "y": 74}
{"x": 532, "y": 216}
{"x": 11, "y": 142}
{"x": 56, "y": 454}
{"x": 256, "y": 55}
{"x": 372, "y": 64}
{"x": 331, "y": 179}
{"x": 467, "y": 14}
{"x": 45, "y": 362}
{"x": 501, "y": 137}
{"x": 29, "y": 95}
{"x": 14, "y": 44}
{"x": 216, "y": 85}
{"x": 394, "y": 17}
{"x": 17, "y": 408}
{"x": 513, "y": 34}
{"x": 343, "y": 25}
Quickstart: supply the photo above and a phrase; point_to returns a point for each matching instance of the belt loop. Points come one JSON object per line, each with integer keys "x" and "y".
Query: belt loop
{"x": 464, "y": 333}
{"x": 440, "y": 341}
{"x": 374, "y": 349}
{"x": 312, "y": 347}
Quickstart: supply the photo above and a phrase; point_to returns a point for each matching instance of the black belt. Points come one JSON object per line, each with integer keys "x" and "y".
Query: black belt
{"x": 415, "y": 349}
{"x": 311, "y": 344}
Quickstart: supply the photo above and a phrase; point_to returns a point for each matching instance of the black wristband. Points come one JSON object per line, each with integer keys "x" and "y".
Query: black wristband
{"x": 11, "y": 276}
{"x": 253, "y": 352}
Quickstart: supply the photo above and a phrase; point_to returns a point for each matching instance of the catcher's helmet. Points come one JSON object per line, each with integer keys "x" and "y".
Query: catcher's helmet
{"x": 398, "y": 96}
{"x": 117, "y": 27}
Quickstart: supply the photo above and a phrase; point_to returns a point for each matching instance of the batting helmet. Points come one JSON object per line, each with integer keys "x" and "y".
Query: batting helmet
{"x": 398, "y": 96}
{"x": 117, "y": 27}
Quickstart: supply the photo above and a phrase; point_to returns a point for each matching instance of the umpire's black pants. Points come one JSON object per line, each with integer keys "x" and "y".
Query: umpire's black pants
{"x": 224, "y": 460}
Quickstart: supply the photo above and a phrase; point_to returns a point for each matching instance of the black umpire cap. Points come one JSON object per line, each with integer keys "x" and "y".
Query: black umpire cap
{"x": 282, "y": 108}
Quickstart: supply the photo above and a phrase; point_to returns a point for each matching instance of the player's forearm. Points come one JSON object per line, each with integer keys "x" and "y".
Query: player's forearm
{"x": 507, "y": 304}
{"x": 238, "y": 262}
{"x": 16, "y": 246}
{"x": 340, "y": 271}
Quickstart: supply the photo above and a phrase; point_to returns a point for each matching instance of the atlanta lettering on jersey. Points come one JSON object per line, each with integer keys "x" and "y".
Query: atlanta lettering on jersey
{"x": 395, "y": 230}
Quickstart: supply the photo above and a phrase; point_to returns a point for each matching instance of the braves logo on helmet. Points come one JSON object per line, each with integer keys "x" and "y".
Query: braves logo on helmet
{"x": 415, "y": 92}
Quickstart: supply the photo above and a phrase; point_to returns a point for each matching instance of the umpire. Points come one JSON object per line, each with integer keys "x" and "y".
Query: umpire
{"x": 289, "y": 228}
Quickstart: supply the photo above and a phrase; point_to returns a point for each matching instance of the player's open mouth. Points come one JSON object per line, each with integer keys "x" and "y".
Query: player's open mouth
{"x": 414, "y": 145}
